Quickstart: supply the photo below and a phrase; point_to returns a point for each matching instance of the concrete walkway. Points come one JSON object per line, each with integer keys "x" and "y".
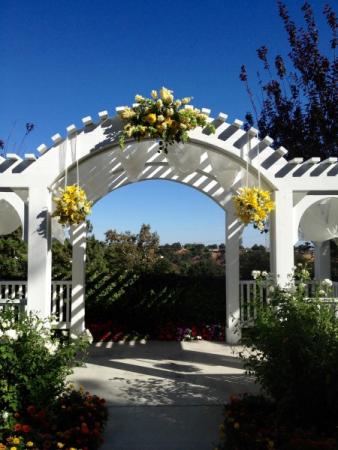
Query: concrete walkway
{"x": 163, "y": 395}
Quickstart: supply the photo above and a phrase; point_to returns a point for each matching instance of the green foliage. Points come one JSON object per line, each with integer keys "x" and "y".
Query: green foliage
{"x": 13, "y": 257}
{"x": 294, "y": 354}
{"x": 33, "y": 361}
{"x": 251, "y": 423}
{"x": 253, "y": 258}
{"x": 131, "y": 251}
{"x": 144, "y": 302}
{"x": 61, "y": 260}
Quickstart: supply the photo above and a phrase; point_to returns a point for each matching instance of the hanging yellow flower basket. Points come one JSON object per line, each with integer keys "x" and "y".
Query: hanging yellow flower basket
{"x": 72, "y": 206}
{"x": 163, "y": 118}
{"x": 253, "y": 205}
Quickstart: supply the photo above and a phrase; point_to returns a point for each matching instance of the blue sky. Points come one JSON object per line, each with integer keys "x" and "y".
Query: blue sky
{"x": 65, "y": 59}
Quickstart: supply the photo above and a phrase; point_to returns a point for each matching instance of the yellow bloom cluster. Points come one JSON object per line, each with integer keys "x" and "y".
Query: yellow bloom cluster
{"x": 253, "y": 205}
{"x": 161, "y": 117}
{"x": 72, "y": 206}
{"x": 14, "y": 441}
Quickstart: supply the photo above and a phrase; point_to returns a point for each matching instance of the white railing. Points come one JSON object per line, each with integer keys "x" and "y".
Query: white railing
{"x": 62, "y": 302}
{"x": 14, "y": 294}
{"x": 250, "y": 294}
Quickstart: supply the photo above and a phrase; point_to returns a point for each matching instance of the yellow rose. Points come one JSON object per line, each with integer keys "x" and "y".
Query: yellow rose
{"x": 151, "y": 118}
{"x": 127, "y": 113}
{"x": 186, "y": 100}
{"x": 160, "y": 128}
{"x": 138, "y": 98}
{"x": 29, "y": 444}
{"x": 169, "y": 122}
{"x": 166, "y": 95}
{"x": 160, "y": 118}
{"x": 154, "y": 94}
{"x": 16, "y": 440}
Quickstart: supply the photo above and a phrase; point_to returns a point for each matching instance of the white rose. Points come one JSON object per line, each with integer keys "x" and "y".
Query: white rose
{"x": 255, "y": 274}
{"x": 327, "y": 283}
{"x": 87, "y": 334}
{"x": 51, "y": 347}
{"x": 271, "y": 289}
{"x": 11, "y": 334}
{"x": 321, "y": 293}
{"x": 302, "y": 285}
{"x": 264, "y": 273}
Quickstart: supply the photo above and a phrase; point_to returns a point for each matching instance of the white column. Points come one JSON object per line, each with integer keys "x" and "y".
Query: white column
{"x": 281, "y": 237}
{"x": 234, "y": 230}
{"x": 322, "y": 260}
{"x": 78, "y": 239}
{"x": 39, "y": 251}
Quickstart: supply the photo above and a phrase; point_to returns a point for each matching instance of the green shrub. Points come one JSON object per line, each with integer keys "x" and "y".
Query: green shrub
{"x": 144, "y": 302}
{"x": 34, "y": 364}
{"x": 252, "y": 423}
{"x": 293, "y": 353}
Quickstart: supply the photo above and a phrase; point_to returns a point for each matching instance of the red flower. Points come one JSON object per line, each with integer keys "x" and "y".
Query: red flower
{"x": 31, "y": 410}
{"x": 26, "y": 428}
{"x": 84, "y": 428}
{"x": 41, "y": 414}
{"x": 17, "y": 427}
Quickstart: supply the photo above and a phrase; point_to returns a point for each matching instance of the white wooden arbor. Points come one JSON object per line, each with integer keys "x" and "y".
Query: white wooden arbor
{"x": 305, "y": 192}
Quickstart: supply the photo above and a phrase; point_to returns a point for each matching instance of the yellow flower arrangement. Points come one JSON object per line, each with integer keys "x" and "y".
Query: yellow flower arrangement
{"x": 72, "y": 205}
{"x": 161, "y": 117}
{"x": 253, "y": 205}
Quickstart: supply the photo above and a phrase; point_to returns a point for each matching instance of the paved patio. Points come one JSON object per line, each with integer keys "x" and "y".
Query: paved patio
{"x": 163, "y": 395}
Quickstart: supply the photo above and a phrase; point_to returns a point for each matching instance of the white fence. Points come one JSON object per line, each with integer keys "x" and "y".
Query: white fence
{"x": 251, "y": 294}
{"x": 13, "y": 294}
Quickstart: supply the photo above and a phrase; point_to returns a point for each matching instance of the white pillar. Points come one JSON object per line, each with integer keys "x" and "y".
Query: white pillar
{"x": 78, "y": 239}
{"x": 281, "y": 237}
{"x": 39, "y": 252}
{"x": 234, "y": 230}
{"x": 322, "y": 260}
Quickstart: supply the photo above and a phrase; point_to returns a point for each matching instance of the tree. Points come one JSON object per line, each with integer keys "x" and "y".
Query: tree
{"x": 299, "y": 106}
{"x": 131, "y": 251}
{"x": 13, "y": 257}
{"x": 61, "y": 260}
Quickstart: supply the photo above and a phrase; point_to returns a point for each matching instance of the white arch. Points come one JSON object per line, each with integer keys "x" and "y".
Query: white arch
{"x": 317, "y": 229}
{"x": 12, "y": 213}
{"x": 214, "y": 164}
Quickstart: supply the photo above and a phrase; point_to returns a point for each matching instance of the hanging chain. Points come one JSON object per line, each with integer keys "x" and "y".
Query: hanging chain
{"x": 63, "y": 164}
{"x": 259, "y": 172}
{"x": 73, "y": 150}
{"x": 248, "y": 145}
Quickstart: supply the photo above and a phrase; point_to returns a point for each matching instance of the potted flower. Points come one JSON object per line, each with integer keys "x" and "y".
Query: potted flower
{"x": 162, "y": 118}
{"x": 253, "y": 205}
{"x": 72, "y": 205}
